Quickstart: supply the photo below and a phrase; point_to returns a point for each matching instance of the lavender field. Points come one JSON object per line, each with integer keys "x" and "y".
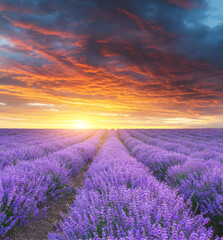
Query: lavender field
{"x": 138, "y": 183}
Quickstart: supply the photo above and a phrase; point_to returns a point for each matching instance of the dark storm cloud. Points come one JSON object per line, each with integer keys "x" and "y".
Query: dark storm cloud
{"x": 11, "y": 81}
{"x": 151, "y": 47}
{"x": 177, "y": 29}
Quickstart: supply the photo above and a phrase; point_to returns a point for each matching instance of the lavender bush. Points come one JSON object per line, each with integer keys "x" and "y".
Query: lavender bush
{"x": 21, "y": 152}
{"x": 122, "y": 200}
{"x": 24, "y": 188}
{"x": 157, "y": 159}
{"x": 197, "y": 175}
{"x": 202, "y": 181}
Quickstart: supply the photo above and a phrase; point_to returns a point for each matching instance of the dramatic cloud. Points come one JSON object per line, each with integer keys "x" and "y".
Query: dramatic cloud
{"x": 111, "y": 63}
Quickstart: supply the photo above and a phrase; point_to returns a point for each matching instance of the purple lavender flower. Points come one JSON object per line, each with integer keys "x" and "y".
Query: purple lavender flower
{"x": 122, "y": 200}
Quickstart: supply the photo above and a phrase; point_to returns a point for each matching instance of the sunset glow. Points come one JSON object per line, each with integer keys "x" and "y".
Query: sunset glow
{"x": 111, "y": 64}
{"x": 81, "y": 125}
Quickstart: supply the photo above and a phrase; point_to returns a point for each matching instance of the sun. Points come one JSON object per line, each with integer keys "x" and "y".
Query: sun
{"x": 81, "y": 125}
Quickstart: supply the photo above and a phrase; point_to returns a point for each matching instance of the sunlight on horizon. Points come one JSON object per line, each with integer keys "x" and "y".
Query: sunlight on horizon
{"x": 82, "y": 125}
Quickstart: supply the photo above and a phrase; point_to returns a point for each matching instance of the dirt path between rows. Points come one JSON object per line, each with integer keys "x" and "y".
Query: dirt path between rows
{"x": 38, "y": 230}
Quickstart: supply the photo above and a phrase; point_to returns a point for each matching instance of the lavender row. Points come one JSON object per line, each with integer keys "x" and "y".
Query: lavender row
{"x": 194, "y": 150}
{"x": 174, "y": 143}
{"x": 122, "y": 200}
{"x": 202, "y": 182}
{"x": 177, "y": 136}
{"x": 157, "y": 159}
{"x": 9, "y": 144}
{"x": 32, "y": 138}
{"x": 179, "y": 144}
{"x": 197, "y": 179}
{"x": 198, "y": 134}
{"x": 173, "y": 146}
{"x": 36, "y": 151}
{"x": 24, "y": 135}
{"x": 24, "y": 188}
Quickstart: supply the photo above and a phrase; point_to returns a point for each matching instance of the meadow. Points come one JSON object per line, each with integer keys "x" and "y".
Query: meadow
{"x": 137, "y": 184}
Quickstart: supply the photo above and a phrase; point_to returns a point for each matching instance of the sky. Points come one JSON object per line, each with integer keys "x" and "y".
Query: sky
{"x": 111, "y": 64}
